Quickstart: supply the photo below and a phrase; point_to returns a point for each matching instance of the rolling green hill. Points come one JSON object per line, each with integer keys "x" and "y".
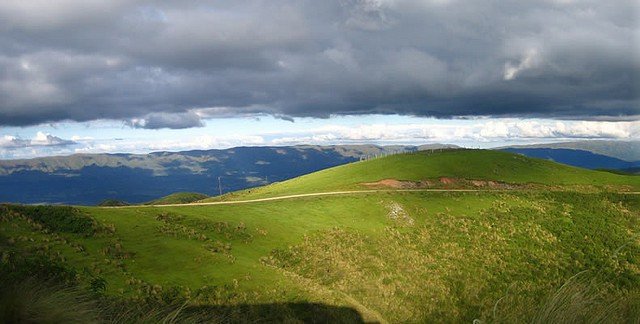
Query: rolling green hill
{"x": 458, "y": 164}
{"x": 178, "y": 198}
{"x": 533, "y": 255}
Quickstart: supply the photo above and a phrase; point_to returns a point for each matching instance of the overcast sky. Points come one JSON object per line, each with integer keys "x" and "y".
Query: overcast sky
{"x": 218, "y": 73}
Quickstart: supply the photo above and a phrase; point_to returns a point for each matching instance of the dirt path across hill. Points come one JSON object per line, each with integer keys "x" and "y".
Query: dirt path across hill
{"x": 316, "y": 194}
{"x": 329, "y": 193}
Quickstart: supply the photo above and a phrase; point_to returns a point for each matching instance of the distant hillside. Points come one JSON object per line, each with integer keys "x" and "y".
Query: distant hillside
{"x": 579, "y": 158}
{"x": 136, "y": 178}
{"x": 623, "y": 150}
{"x": 178, "y": 198}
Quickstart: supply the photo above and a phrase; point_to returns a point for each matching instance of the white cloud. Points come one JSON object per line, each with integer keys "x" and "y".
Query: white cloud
{"x": 78, "y": 138}
{"x": 528, "y": 60}
{"x": 486, "y": 132}
{"x": 480, "y": 131}
{"x": 41, "y": 139}
{"x": 46, "y": 139}
{"x": 201, "y": 142}
{"x": 8, "y": 141}
{"x": 97, "y": 148}
{"x": 42, "y": 144}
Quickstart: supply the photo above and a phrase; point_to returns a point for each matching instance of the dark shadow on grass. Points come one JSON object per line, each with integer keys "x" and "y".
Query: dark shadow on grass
{"x": 275, "y": 313}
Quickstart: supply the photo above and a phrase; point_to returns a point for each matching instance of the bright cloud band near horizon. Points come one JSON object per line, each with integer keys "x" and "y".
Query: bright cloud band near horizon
{"x": 52, "y": 140}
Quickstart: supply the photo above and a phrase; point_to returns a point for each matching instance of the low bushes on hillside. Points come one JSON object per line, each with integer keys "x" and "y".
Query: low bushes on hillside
{"x": 113, "y": 203}
{"x": 55, "y": 218}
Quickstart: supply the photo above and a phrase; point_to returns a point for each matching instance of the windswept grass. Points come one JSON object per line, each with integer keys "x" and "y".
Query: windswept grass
{"x": 585, "y": 298}
{"x": 35, "y": 301}
{"x": 458, "y": 266}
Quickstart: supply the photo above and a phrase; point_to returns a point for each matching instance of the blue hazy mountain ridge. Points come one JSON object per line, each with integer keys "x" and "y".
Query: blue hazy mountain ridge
{"x": 135, "y": 178}
{"x": 142, "y": 178}
{"x": 627, "y": 150}
{"x": 579, "y": 158}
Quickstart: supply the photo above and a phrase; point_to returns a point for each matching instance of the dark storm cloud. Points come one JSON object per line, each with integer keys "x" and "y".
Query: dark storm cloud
{"x": 167, "y": 120}
{"x": 155, "y": 63}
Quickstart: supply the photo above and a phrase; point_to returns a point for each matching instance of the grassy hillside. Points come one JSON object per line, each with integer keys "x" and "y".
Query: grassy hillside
{"x": 178, "y": 198}
{"x": 396, "y": 256}
{"x": 457, "y": 164}
{"x": 511, "y": 256}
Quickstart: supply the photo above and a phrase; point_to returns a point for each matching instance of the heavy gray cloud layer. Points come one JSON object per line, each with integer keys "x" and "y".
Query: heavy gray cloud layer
{"x": 169, "y": 63}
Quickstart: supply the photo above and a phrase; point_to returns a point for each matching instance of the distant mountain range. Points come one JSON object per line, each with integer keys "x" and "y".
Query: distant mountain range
{"x": 579, "y": 158}
{"x": 623, "y": 150}
{"x": 88, "y": 179}
{"x": 610, "y": 155}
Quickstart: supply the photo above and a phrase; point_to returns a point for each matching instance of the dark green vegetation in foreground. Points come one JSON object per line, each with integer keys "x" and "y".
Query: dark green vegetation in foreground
{"x": 510, "y": 256}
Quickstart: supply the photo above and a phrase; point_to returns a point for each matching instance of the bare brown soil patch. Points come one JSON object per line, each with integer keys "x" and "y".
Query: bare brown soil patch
{"x": 442, "y": 182}
{"x": 393, "y": 183}
{"x": 445, "y": 180}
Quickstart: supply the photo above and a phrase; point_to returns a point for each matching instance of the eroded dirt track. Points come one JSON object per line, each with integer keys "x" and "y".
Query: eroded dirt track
{"x": 328, "y": 193}
{"x": 315, "y": 194}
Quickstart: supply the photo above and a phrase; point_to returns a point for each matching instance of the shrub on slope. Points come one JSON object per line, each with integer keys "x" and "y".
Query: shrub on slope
{"x": 178, "y": 198}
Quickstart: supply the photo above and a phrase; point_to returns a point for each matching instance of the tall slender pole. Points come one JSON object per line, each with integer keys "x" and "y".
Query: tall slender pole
{"x": 219, "y": 186}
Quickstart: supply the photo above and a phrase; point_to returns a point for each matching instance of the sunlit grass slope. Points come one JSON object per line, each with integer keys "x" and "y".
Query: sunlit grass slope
{"x": 461, "y": 164}
{"x": 509, "y": 256}
{"x": 402, "y": 257}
